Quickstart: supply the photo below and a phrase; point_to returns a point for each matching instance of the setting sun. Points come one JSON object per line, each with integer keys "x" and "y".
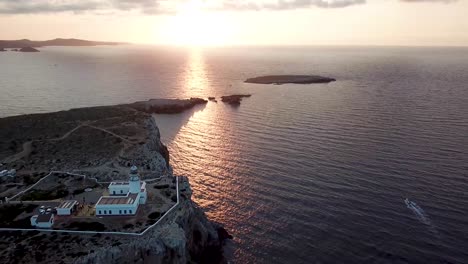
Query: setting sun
{"x": 194, "y": 26}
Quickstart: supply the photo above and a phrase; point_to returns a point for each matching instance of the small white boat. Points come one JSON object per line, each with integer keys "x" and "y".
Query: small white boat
{"x": 409, "y": 203}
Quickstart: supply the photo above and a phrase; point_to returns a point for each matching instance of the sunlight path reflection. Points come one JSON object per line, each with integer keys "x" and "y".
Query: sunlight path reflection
{"x": 196, "y": 81}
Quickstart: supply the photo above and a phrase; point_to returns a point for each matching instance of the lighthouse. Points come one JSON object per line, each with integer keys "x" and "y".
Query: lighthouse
{"x": 124, "y": 197}
{"x": 134, "y": 182}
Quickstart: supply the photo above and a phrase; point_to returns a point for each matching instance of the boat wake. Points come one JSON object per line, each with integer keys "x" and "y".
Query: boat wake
{"x": 422, "y": 216}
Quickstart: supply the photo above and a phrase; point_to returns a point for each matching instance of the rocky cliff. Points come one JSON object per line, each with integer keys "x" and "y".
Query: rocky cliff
{"x": 101, "y": 141}
{"x": 154, "y": 141}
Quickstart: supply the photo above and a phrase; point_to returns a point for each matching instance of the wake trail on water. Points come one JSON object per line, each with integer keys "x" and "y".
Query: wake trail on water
{"x": 422, "y": 217}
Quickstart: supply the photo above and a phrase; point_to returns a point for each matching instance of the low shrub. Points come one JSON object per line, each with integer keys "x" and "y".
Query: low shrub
{"x": 162, "y": 186}
{"x": 128, "y": 226}
{"x": 9, "y": 212}
{"x": 78, "y": 191}
{"x": 42, "y": 195}
{"x": 91, "y": 226}
{"x": 154, "y": 215}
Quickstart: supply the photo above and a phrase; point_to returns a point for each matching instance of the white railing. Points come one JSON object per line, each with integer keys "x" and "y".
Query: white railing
{"x": 94, "y": 232}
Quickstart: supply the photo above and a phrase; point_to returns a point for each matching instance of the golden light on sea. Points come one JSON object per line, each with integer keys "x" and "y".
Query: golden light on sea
{"x": 196, "y": 79}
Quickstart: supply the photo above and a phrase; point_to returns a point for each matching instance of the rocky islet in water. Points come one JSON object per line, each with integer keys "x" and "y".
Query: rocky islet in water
{"x": 234, "y": 99}
{"x": 284, "y": 79}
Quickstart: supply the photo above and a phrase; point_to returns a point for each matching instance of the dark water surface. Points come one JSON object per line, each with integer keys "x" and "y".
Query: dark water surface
{"x": 297, "y": 173}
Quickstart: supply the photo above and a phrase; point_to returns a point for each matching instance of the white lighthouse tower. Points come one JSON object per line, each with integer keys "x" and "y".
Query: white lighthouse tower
{"x": 134, "y": 182}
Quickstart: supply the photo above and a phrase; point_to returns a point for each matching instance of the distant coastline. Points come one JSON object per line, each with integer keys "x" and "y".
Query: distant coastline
{"x": 23, "y": 43}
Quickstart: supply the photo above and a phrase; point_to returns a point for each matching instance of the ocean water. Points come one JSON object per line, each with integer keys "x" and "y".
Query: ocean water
{"x": 297, "y": 173}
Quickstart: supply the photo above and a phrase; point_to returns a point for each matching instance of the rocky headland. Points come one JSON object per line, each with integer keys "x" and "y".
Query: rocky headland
{"x": 22, "y": 43}
{"x": 283, "y": 79}
{"x": 102, "y": 142}
{"x": 167, "y": 106}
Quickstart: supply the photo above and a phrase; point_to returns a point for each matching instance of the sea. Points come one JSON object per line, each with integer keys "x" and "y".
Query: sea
{"x": 297, "y": 173}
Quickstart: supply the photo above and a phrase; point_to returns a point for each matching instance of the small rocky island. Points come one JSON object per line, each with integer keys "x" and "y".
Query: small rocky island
{"x": 296, "y": 79}
{"x": 53, "y": 158}
{"x": 28, "y": 49}
{"x": 234, "y": 99}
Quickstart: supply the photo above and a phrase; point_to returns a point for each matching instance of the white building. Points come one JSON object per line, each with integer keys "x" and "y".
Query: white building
{"x": 42, "y": 220}
{"x": 66, "y": 207}
{"x": 124, "y": 198}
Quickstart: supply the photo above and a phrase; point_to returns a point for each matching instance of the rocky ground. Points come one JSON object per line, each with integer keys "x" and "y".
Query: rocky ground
{"x": 100, "y": 142}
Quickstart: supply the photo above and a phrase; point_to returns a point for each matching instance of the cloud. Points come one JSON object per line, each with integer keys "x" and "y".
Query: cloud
{"x": 287, "y": 5}
{"x": 429, "y": 1}
{"x": 156, "y": 7}
{"x": 78, "y": 6}
{"x": 159, "y": 6}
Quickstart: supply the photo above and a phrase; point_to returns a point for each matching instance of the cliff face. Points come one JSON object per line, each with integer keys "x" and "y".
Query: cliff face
{"x": 155, "y": 142}
{"x": 184, "y": 236}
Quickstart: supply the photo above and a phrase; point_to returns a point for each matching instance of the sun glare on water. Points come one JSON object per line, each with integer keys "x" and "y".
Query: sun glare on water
{"x": 194, "y": 26}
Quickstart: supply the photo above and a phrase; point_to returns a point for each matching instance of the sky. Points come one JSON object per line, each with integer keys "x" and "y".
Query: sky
{"x": 241, "y": 22}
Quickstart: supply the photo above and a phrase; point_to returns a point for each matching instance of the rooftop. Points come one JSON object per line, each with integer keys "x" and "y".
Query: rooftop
{"x": 119, "y": 183}
{"x": 44, "y": 218}
{"x": 106, "y": 200}
{"x": 67, "y": 204}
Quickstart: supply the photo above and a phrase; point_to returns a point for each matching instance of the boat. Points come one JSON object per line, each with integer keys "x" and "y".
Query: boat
{"x": 409, "y": 203}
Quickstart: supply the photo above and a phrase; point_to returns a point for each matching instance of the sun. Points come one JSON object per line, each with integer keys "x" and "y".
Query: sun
{"x": 193, "y": 26}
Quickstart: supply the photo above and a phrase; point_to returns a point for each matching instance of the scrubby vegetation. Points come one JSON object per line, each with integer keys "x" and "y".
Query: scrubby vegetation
{"x": 8, "y": 214}
{"x": 84, "y": 226}
{"x": 154, "y": 215}
{"x": 128, "y": 226}
{"x": 43, "y": 195}
{"x": 162, "y": 186}
{"x": 78, "y": 191}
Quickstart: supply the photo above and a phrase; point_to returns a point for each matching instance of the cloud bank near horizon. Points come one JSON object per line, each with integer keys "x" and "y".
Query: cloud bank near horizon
{"x": 161, "y": 7}
{"x": 79, "y": 6}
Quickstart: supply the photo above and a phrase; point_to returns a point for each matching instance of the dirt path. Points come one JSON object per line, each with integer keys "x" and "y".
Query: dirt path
{"x": 67, "y": 134}
{"x": 111, "y": 133}
{"x": 27, "y": 146}
{"x": 27, "y": 149}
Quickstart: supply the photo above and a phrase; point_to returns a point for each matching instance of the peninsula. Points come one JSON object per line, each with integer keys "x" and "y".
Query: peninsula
{"x": 95, "y": 185}
{"x": 283, "y": 79}
{"x": 23, "y": 43}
